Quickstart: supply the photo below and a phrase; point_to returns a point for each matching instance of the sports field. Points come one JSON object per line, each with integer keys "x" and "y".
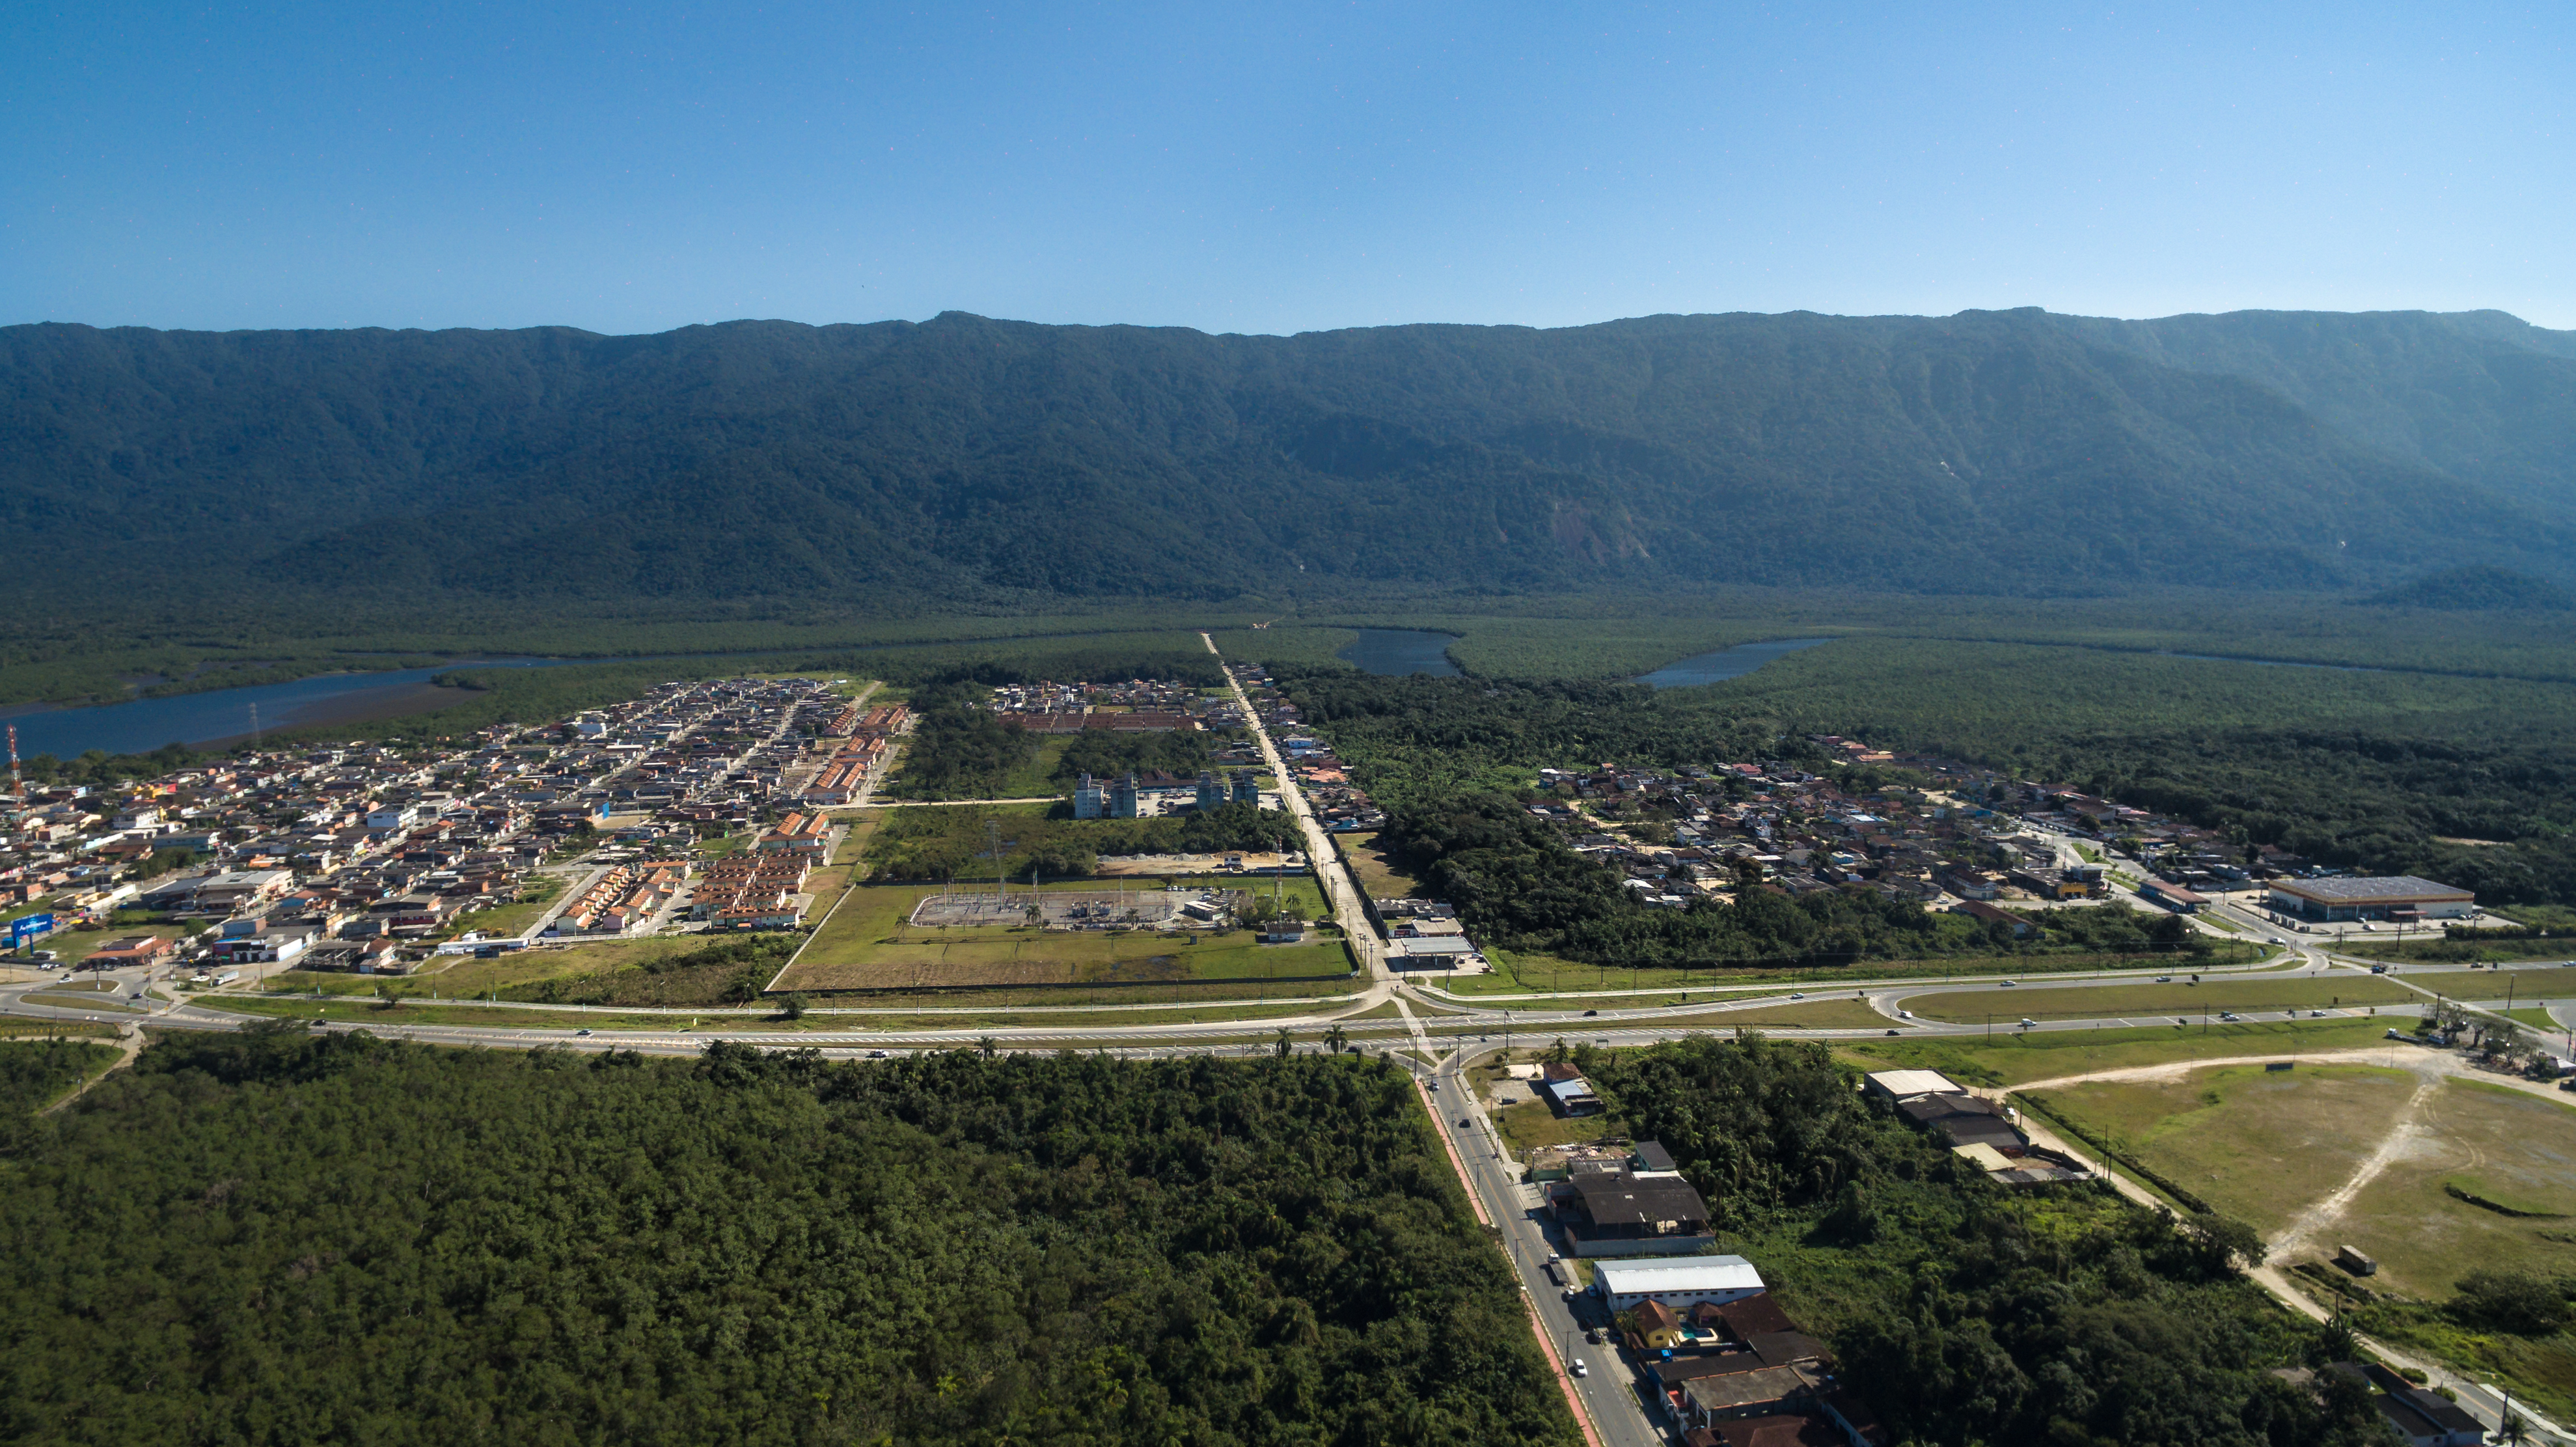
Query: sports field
{"x": 869, "y": 943}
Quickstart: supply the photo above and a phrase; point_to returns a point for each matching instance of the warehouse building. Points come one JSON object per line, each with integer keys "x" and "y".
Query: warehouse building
{"x": 1676, "y": 1281}
{"x": 2402, "y": 898}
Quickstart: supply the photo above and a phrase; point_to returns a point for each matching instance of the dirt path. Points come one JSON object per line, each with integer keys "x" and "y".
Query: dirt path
{"x": 129, "y": 1045}
{"x": 2431, "y": 1068}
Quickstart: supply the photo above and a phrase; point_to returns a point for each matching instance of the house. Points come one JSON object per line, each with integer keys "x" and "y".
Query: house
{"x": 1965, "y": 1120}
{"x": 131, "y": 950}
{"x": 1895, "y": 1085}
{"x": 1618, "y": 1213}
{"x": 1978, "y": 909}
{"x": 1658, "y": 1327}
{"x": 1571, "y": 1095}
{"x": 2427, "y": 1419}
{"x": 1753, "y": 1391}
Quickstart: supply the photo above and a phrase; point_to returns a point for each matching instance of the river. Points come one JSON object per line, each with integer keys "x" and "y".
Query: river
{"x": 145, "y": 724}
{"x": 1725, "y": 663}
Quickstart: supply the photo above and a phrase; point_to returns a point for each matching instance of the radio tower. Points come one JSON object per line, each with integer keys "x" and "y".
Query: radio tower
{"x": 17, "y": 785}
{"x": 254, "y": 727}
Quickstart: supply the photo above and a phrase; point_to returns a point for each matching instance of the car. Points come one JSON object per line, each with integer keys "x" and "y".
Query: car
{"x": 2276, "y": 939}
{"x": 2008, "y": 984}
{"x": 1794, "y": 995}
{"x": 1462, "y": 1120}
{"x": 2316, "y": 1014}
{"x": 2227, "y": 1015}
{"x": 1592, "y": 1335}
{"x": 1580, "y": 1369}
{"x": 1904, "y": 1014}
{"x": 876, "y": 1055}
{"x": 2164, "y": 979}
{"x": 1588, "y": 1014}
{"x": 1894, "y": 1031}
{"x": 583, "y": 1031}
{"x": 2028, "y": 1023}
{"x": 2379, "y": 969}
{"x": 2568, "y": 1084}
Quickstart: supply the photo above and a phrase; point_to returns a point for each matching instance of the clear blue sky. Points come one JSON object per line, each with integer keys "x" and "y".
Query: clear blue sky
{"x": 1273, "y": 168}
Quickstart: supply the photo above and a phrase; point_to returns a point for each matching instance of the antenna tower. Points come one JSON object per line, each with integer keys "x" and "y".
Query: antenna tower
{"x": 254, "y": 726}
{"x": 17, "y": 785}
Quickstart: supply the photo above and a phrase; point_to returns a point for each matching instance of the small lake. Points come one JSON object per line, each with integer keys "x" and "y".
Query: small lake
{"x": 145, "y": 724}
{"x": 1395, "y": 651}
{"x": 1725, "y": 663}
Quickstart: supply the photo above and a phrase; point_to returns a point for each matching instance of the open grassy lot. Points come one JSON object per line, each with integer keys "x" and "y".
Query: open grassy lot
{"x": 2124, "y": 1000}
{"x": 463, "y": 976}
{"x": 73, "y": 946}
{"x": 2512, "y": 1150}
{"x": 2012, "y": 1058}
{"x": 1531, "y": 1124}
{"x": 2555, "y": 982}
{"x": 869, "y": 945}
{"x": 1516, "y": 972}
{"x": 2258, "y": 1145}
{"x": 862, "y": 826}
{"x": 22, "y": 1028}
{"x": 1378, "y": 873}
{"x": 535, "y": 897}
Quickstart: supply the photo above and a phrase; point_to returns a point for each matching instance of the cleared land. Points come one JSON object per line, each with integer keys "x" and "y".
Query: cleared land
{"x": 2259, "y": 1145}
{"x": 2012, "y": 1059}
{"x": 1377, "y": 872}
{"x": 869, "y": 944}
{"x": 2123, "y": 1001}
{"x": 2507, "y": 1148}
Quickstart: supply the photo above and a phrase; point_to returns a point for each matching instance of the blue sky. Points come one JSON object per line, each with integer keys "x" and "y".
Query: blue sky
{"x": 1254, "y": 168}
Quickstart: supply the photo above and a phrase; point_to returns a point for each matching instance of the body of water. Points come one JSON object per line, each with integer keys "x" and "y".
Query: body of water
{"x": 1400, "y": 651}
{"x": 146, "y": 724}
{"x": 1725, "y": 663}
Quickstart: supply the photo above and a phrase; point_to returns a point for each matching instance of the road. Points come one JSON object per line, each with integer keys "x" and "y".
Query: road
{"x": 1340, "y": 892}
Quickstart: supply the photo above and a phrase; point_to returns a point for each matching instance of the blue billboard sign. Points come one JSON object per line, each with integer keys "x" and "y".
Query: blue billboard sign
{"x": 27, "y": 927}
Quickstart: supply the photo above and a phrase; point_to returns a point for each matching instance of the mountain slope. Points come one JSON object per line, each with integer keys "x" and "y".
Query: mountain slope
{"x": 965, "y": 458}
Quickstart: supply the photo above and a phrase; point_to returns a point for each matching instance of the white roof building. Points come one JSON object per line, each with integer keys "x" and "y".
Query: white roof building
{"x": 1676, "y": 1281}
{"x": 1898, "y": 1084}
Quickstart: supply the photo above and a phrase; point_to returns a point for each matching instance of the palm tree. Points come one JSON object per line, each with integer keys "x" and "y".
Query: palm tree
{"x": 1283, "y": 1042}
{"x": 1336, "y": 1038}
{"x": 985, "y": 1044}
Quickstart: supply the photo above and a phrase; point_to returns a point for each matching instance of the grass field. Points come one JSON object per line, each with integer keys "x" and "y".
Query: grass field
{"x": 1377, "y": 873}
{"x": 464, "y": 977}
{"x": 2013, "y": 1059}
{"x": 2554, "y": 983}
{"x": 2257, "y": 1145}
{"x": 21, "y": 1028}
{"x": 2510, "y": 1148}
{"x": 1530, "y": 1125}
{"x": 868, "y": 945}
{"x": 541, "y": 892}
{"x": 2126, "y": 1001}
{"x": 1518, "y": 973}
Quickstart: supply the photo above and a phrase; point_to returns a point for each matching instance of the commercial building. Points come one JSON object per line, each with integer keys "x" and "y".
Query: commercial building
{"x": 1676, "y": 1281}
{"x": 2402, "y": 897}
{"x": 1089, "y": 799}
{"x": 1620, "y": 1213}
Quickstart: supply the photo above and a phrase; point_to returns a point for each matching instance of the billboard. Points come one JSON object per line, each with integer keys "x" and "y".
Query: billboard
{"x": 27, "y": 927}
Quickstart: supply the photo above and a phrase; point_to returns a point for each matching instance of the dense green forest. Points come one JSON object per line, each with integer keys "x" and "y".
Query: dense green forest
{"x": 926, "y": 843}
{"x": 273, "y": 1239}
{"x": 1009, "y": 466}
{"x": 1966, "y": 1314}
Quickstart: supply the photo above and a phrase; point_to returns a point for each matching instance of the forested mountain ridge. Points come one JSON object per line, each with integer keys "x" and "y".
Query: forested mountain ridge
{"x": 970, "y": 459}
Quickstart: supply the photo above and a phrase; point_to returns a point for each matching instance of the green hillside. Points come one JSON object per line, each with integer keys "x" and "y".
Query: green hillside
{"x": 996, "y": 464}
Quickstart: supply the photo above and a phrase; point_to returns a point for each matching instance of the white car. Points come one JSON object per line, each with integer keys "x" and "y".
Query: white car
{"x": 1904, "y": 1014}
{"x": 1580, "y": 1369}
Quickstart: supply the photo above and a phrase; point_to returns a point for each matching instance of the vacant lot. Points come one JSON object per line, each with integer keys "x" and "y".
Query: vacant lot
{"x": 869, "y": 945}
{"x": 2258, "y": 1145}
{"x": 2125, "y": 1001}
{"x": 2508, "y": 1148}
{"x": 2011, "y": 1059}
{"x": 2554, "y": 982}
{"x": 1517, "y": 972}
{"x": 1377, "y": 872}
